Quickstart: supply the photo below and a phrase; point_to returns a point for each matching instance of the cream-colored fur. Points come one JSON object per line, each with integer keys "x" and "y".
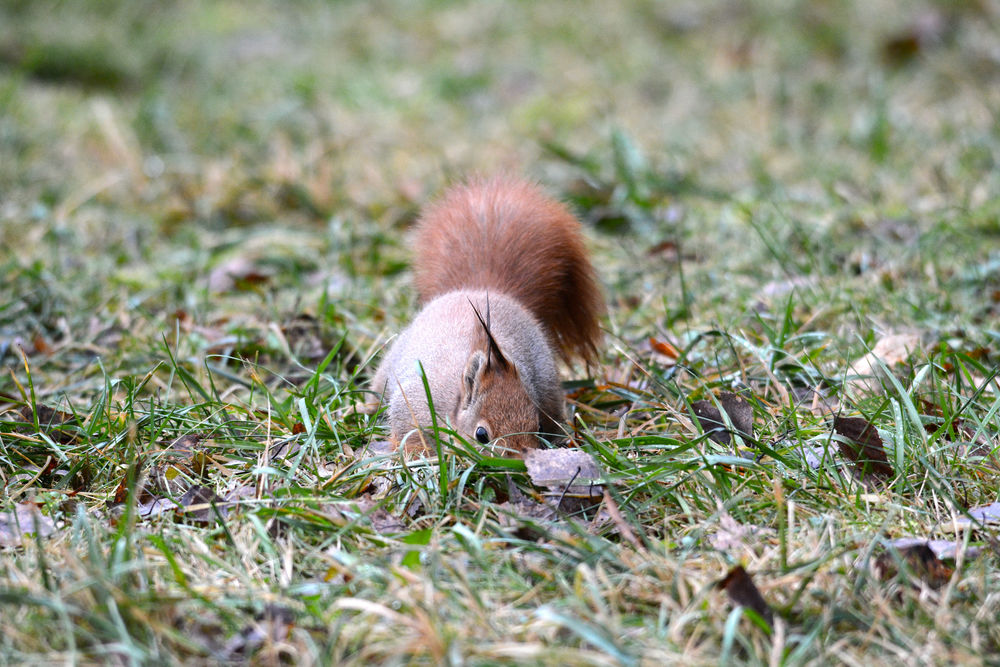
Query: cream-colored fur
{"x": 442, "y": 339}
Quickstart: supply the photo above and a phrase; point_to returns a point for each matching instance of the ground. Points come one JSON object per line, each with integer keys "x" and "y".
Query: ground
{"x": 794, "y": 212}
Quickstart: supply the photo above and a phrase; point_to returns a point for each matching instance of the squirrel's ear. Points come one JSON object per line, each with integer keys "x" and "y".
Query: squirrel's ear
{"x": 493, "y": 353}
{"x": 470, "y": 378}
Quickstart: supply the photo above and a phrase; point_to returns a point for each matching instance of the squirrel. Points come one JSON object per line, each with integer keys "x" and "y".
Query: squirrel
{"x": 506, "y": 284}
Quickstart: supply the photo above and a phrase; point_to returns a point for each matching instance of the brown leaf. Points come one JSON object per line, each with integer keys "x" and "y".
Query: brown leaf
{"x": 134, "y": 471}
{"x": 236, "y": 273}
{"x": 943, "y": 549}
{"x": 664, "y": 348}
{"x": 200, "y": 504}
{"x": 308, "y": 338}
{"x": 23, "y": 522}
{"x": 742, "y": 591}
{"x": 918, "y": 559}
{"x": 41, "y": 345}
{"x": 51, "y": 422}
{"x": 666, "y": 248}
{"x": 186, "y": 442}
{"x": 928, "y": 29}
{"x": 861, "y": 444}
{"x": 714, "y": 424}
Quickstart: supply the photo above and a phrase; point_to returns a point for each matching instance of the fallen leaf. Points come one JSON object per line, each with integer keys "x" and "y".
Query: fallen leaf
{"x": 667, "y": 249}
{"x": 155, "y": 507}
{"x": 569, "y": 475}
{"x": 743, "y": 592}
{"x": 309, "y": 339}
{"x": 201, "y": 505}
{"x": 943, "y": 549}
{"x": 237, "y": 272}
{"x": 918, "y": 559}
{"x": 664, "y": 348}
{"x": 559, "y": 467}
{"x": 861, "y": 444}
{"x": 135, "y": 471}
{"x": 866, "y": 373}
{"x": 984, "y": 515}
{"x": 525, "y": 510}
{"x": 929, "y": 28}
{"x": 24, "y": 521}
{"x": 52, "y": 422}
{"x": 713, "y": 422}
{"x": 41, "y": 345}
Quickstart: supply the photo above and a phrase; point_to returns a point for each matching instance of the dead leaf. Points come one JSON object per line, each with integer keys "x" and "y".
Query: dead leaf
{"x": 558, "y": 467}
{"x": 666, "y": 249}
{"x": 660, "y": 352}
{"x": 134, "y": 472}
{"x": 201, "y": 505}
{"x": 866, "y": 373}
{"x": 943, "y": 549}
{"x": 529, "y": 519}
{"x": 25, "y": 521}
{"x": 983, "y": 515}
{"x": 569, "y": 476}
{"x": 237, "y": 272}
{"x": 713, "y": 422}
{"x": 155, "y": 507}
{"x": 930, "y": 28}
{"x": 664, "y": 348}
{"x": 918, "y": 559}
{"x": 861, "y": 444}
{"x": 309, "y": 339}
{"x": 41, "y": 345}
{"x": 742, "y": 591}
{"x": 53, "y": 423}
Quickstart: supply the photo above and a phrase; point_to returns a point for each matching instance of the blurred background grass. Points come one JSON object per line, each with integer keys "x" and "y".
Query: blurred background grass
{"x": 144, "y": 145}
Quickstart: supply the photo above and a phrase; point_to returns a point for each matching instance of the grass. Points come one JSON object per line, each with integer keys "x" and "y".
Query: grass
{"x": 202, "y": 213}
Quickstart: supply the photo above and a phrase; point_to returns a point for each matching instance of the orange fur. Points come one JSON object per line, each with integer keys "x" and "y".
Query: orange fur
{"x": 505, "y": 235}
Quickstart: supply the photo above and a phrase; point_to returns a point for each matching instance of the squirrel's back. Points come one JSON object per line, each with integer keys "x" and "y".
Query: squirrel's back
{"x": 506, "y": 235}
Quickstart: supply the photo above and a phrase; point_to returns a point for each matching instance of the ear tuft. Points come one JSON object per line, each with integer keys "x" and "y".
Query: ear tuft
{"x": 494, "y": 355}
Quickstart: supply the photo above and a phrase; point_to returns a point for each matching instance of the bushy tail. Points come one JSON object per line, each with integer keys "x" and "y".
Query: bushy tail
{"x": 505, "y": 235}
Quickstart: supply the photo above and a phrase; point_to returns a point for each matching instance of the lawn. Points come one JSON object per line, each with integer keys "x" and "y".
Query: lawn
{"x": 794, "y": 209}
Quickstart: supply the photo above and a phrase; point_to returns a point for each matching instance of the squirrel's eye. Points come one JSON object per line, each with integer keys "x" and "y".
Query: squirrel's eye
{"x": 482, "y": 436}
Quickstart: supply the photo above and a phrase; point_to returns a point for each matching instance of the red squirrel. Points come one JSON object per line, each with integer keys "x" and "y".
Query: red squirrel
{"x": 506, "y": 283}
